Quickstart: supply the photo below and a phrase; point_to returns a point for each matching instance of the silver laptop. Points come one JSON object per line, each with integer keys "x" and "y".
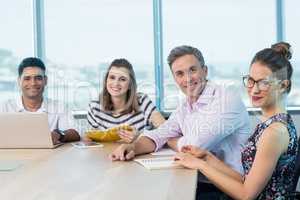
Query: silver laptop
{"x": 25, "y": 130}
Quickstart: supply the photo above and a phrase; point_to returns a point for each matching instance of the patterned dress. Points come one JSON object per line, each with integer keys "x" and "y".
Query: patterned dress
{"x": 281, "y": 182}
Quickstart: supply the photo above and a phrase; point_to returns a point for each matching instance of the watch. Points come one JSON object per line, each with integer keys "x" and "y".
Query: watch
{"x": 61, "y": 135}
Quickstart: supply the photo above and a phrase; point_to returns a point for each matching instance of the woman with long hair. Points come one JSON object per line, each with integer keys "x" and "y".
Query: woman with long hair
{"x": 120, "y": 103}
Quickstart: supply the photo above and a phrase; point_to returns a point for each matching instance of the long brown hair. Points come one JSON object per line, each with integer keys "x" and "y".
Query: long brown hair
{"x": 131, "y": 96}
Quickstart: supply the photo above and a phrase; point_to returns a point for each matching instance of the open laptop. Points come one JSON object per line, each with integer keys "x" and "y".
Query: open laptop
{"x": 25, "y": 130}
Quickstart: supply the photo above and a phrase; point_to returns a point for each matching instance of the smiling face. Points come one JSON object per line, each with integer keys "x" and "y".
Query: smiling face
{"x": 32, "y": 82}
{"x": 117, "y": 82}
{"x": 271, "y": 94}
{"x": 189, "y": 75}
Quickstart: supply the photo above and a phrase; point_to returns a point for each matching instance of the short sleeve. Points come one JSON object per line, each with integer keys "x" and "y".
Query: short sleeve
{"x": 8, "y": 106}
{"x": 65, "y": 119}
{"x": 2, "y": 108}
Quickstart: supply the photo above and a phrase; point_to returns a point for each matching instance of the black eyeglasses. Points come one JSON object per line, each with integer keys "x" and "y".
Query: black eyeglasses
{"x": 263, "y": 84}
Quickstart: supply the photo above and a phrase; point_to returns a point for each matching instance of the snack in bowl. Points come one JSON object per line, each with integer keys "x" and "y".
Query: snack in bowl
{"x": 108, "y": 135}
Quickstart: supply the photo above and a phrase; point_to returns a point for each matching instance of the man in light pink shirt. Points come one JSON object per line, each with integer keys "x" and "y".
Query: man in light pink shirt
{"x": 213, "y": 116}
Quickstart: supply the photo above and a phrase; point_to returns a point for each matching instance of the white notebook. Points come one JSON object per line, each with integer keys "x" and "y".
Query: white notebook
{"x": 164, "y": 152}
{"x": 158, "y": 163}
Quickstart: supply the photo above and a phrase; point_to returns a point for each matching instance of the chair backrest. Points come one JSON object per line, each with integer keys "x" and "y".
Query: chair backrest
{"x": 297, "y": 169}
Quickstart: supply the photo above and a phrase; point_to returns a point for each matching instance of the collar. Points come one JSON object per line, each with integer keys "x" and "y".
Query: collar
{"x": 204, "y": 98}
{"x": 20, "y": 106}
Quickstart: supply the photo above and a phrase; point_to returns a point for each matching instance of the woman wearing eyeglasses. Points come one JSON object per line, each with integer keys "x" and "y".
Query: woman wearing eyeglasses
{"x": 270, "y": 154}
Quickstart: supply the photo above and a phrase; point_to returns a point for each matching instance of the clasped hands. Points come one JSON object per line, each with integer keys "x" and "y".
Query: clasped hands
{"x": 192, "y": 157}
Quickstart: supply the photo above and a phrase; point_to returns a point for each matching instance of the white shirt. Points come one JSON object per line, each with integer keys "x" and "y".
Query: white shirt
{"x": 218, "y": 121}
{"x": 59, "y": 117}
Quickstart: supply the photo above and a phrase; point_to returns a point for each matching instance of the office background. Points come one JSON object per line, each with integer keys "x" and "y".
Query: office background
{"x": 79, "y": 38}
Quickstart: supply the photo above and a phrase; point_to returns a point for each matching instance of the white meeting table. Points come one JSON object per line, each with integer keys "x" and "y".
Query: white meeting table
{"x": 69, "y": 173}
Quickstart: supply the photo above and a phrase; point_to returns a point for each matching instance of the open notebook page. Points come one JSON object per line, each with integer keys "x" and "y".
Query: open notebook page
{"x": 164, "y": 152}
{"x": 158, "y": 163}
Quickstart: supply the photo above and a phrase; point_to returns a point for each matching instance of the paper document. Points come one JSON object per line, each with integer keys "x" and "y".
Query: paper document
{"x": 164, "y": 152}
{"x": 158, "y": 163}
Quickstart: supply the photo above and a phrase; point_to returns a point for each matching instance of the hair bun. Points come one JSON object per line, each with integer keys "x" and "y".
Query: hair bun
{"x": 284, "y": 49}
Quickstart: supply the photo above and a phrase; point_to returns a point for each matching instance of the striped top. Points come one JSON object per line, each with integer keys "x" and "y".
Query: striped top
{"x": 99, "y": 119}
